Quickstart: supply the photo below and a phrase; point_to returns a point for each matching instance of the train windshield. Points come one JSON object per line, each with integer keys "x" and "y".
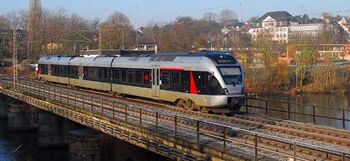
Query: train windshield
{"x": 231, "y": 75}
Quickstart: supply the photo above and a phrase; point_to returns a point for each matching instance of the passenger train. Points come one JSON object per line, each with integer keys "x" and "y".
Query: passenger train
{"x": 205, "y": 81}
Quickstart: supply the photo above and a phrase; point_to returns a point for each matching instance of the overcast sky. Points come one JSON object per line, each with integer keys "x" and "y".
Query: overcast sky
{"x": 141, "y": 12}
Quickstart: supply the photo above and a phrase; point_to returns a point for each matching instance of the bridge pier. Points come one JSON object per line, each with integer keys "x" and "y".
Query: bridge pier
{"x": 85, "y": 145}
{"x": 90, "y": 145}
{"x": 21, "y": 117}
{"x": 3, "y": 106}
{"x": 123, "y": 151}
{"x": 53, "y": 130}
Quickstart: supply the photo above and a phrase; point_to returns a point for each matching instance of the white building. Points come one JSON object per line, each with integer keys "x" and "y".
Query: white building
{"x": 345, "y": 25}
{"x": 280, "y": 26}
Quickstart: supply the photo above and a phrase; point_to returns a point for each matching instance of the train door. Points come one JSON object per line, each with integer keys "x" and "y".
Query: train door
{"x": 155, "y": 81}
{"x": 81, "y": 72}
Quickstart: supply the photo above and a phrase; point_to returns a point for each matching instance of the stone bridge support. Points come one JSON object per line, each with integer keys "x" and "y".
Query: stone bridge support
{"x": 21, "y": 116}
{"x": 86, "y": 145}
{"x": 53, "y": 130}
{"x": 90, "y": 145}
{"x": 3, "y": 106}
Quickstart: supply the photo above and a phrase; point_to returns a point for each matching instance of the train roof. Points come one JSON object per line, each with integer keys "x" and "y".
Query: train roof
{"x": 217, "y": 57}
{"x": 92, "y": 61}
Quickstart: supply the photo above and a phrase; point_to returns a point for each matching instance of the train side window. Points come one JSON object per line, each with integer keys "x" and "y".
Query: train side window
{"x": 123, "y": 75}
{"x": 54, "y": 70}
{"x": 100, "y": 74}
{"x": 61, "y": 70}
{"x": 153, "y": 77}
{"x": 66, "y": 71}
{"x": 90, "y": 73}
{"x": 71, "y": 72}
{"x": 116, "y": 75}
{"x": 175, "y": 78}
{"x": 106, "y": 76}
{"x": 214, "y": 86}
{"x": 138, "y": 77}
{"x": 146, "y": 77}
{"x": 44, "y": 68}
{"x": 58, "y": 70}
{"x": 213, "y": 82}
{"x": 76, "y": 72}
{"x": 165, "y": 79}
{"x": 131, "y": 76}
{"x": 204, "y": 80}
{"x": 158, "y": 76}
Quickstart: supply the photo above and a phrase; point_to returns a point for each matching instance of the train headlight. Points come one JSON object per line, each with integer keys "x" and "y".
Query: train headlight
{"x": 226, "y": 90}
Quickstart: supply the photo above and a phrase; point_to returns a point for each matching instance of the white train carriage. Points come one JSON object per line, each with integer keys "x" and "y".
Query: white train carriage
{"x": 204, "y": 81}
{"x": 54, "y": 69}
{"x": 94, "y": 72}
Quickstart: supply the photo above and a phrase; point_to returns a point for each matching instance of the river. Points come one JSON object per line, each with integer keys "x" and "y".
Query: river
{"x": 22, "y": 146}
{"x": 330, "y": 105}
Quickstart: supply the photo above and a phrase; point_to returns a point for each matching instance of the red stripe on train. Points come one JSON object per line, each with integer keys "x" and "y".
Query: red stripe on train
{"x": 193, "y": 86}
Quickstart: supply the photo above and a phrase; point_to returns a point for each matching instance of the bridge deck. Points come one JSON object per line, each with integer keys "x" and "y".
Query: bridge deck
{"x": 163, "y": 133}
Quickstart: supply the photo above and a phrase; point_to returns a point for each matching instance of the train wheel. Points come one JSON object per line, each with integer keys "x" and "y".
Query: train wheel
{"x": 204, "y": 110}
{"x": 180, "y": 103}
{"x": 189, "y": 105}
{"x": 235, "y": 108}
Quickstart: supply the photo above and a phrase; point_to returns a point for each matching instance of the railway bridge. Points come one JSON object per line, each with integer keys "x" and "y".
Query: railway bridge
{"x": 179, "y": 134}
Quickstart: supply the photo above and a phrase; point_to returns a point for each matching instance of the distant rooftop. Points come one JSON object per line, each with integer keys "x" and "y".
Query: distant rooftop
{"x": 277, "y": 15}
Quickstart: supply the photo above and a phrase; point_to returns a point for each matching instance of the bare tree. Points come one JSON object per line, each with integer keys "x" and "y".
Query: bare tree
{"x": 54, "y": 23}
{"x": 227, "y": 16}
{"x": 209, "y": 16}
{"x": 4, "y": 23}
{"x": 116, "y": 32}
{"x": 17, "y": 19}
{"x": 34, "y": 32}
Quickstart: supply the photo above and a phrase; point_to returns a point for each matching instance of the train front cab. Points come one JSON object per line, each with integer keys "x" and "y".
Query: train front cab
{"x": 232, "y": 77}
{"x": 189, "y": 89}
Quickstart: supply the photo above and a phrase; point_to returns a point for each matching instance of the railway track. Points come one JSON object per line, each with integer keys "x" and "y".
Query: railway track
{"x": 288, "y": 127}
{"x": 331, "y": 136}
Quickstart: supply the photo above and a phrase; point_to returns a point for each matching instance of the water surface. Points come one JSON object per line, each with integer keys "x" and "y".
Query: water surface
{"x": 328, "y": 105}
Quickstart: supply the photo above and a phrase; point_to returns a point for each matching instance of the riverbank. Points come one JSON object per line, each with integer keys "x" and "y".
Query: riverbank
{"x": 315, "y": 88}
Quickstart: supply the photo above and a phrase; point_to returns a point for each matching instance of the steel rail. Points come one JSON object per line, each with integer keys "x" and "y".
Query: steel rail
{"x": 42, "y": 94}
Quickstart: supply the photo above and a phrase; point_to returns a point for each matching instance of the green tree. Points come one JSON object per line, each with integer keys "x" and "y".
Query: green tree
{"x": 305, "y": 56}
{"x": 268, "y": 57}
